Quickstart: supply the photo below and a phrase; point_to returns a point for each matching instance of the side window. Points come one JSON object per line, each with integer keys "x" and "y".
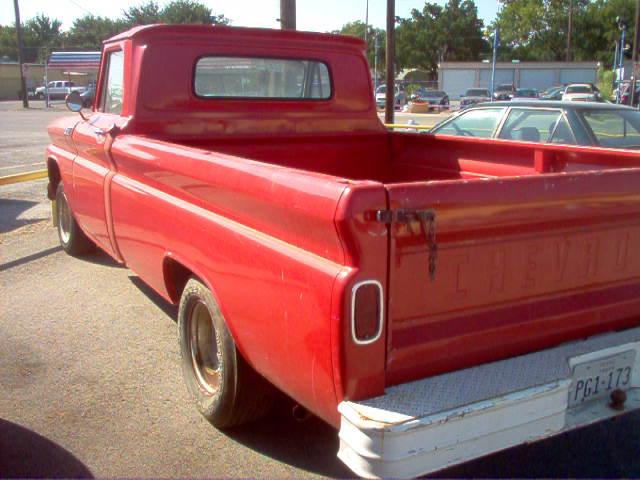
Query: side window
{"x": 563, "y": 133}
{"x": 59, "y": 84}
{"x": 479, "y": 123}
{"x": 113, "y": 91}
{"x": 531, "y": 125}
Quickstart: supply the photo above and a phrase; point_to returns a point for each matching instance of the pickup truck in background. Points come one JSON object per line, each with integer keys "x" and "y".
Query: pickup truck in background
{"x": 434, "y": 298}
{"x": 58, "y": 89}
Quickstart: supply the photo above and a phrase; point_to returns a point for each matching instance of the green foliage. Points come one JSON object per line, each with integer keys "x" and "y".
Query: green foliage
{"x": 88, "y": 32}
{"x": 42, "y": 34}
{"x": 605, "y": 82}
{"x": 190, "y": 11}
{"x": 144, "y": 14}
{"x": 435, "y": 33}
{"x": 538, "y": 29}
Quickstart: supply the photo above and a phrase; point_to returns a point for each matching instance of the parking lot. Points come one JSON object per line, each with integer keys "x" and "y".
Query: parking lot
{"x": 90, "y": 375}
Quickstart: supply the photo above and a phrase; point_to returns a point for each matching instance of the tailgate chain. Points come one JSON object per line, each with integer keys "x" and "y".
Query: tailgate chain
{"x": 427, "y": 219}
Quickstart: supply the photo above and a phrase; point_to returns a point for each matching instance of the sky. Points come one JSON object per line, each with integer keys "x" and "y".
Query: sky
{"x": 312, "y": 15}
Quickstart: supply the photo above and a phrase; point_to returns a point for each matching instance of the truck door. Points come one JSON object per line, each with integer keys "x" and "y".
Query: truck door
{"x": 93, "y": 167}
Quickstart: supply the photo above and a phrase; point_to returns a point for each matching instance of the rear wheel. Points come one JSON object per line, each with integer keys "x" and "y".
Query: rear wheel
{"x": 225, "y": 389}
{"x": 72, "y": 238}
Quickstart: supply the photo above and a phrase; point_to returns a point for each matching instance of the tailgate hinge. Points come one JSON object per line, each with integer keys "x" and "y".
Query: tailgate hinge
{"x": 427, "y": 219}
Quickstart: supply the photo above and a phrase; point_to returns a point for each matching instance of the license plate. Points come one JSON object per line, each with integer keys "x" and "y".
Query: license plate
{"x": 598, "y": 378}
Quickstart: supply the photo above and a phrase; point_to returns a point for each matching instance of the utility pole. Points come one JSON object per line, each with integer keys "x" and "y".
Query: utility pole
{"x": 375, "y": 61}
{"x": 23, "y": 83}
{"x": 636, "y": 40}
{"x": 390, "y": 58}
{"x": 366, "y": 24}
{"x": 569, "y": 30}
{"x": 288, "y": 14}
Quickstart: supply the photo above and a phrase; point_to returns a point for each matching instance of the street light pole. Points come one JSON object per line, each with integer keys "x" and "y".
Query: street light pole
{"x": 569, "y": 30}
{"x": 23, "y": 83}
{"x": 622, "y": 24}
{"x": 493, "y": 61}
{"x": 390, "y": 57}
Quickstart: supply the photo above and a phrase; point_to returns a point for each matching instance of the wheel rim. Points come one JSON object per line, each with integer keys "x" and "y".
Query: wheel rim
{"x": 64, "y": 220}
{"x": 205, "y": 355}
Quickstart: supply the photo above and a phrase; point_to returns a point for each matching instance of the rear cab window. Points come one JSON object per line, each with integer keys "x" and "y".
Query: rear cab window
{"x": 261, "y": 78}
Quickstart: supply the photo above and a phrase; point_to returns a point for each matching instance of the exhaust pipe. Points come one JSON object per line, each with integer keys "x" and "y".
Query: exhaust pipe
{"x": 300, "y": 413}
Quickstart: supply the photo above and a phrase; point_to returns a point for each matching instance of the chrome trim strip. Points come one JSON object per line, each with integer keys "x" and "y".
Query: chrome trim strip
{"x": 354, "y": 290}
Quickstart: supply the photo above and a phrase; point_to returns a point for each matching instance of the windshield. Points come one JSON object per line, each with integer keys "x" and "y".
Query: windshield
{"x": 381, "y": 89}
{"x": 579, "y": 89}
{"x": 502, "y": 88}
{"x": 477, "y": 92}
{"x": 614, "y": 128}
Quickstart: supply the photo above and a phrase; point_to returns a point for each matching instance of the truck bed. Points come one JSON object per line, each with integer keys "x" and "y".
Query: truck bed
{"x": 533, "y": 241}
{"x": 405, "y": 157}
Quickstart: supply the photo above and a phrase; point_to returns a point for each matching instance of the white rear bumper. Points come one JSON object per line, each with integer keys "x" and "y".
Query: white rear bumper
{"x": 430, "y": 424}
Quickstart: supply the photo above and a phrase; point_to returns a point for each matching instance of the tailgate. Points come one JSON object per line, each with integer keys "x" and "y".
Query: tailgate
{"x": 487, "y": 269}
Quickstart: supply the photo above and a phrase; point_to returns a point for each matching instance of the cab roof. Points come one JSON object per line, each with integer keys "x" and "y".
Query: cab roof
{"x": 198, "y": 32}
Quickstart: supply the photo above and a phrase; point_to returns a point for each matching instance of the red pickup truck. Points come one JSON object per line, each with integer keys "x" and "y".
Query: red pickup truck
{"x": 435, "y": 298}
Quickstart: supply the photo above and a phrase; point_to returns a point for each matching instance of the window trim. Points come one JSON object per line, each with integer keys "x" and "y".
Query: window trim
{"x": 469, "y": 110}
{"x": 537, "y": 109}
{"x": 105, "y": 78}
{"x": 261, "y": 99}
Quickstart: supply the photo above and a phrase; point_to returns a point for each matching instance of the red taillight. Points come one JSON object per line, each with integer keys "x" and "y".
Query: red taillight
{"x": 366, "y": 312}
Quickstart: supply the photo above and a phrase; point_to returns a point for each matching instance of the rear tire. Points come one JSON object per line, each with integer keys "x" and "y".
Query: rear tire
{"x": 224, "y": 387}
{"x": 72, "y": 238}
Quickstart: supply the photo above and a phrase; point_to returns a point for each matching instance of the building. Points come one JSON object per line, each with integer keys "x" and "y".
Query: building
{"x": 456, "y": 77}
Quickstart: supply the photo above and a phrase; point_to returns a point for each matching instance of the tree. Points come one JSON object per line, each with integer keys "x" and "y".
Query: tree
{"x": 144, "y": 14}
{"x": 88, "y": 32}
{"x": 435, "y": 34}
{"x": 537, "y": 29}
{"x": 190, "y": 11}
{"x": 41, "y": 34}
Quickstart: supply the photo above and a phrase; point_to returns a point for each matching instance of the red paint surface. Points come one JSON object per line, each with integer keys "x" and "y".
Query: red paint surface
{"x": 270, "y": 203}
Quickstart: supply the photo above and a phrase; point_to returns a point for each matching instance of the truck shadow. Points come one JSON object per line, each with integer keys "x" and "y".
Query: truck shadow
{"x": 10, "y": 211}
{"x": 310, "y": 445}
{"x": 605, "y": 450}
{"x": 170, "y": 310}
{"x": 25, "y": 454}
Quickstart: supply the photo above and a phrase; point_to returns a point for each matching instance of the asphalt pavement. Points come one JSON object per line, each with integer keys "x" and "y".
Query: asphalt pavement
{"x": 90, "y": 381}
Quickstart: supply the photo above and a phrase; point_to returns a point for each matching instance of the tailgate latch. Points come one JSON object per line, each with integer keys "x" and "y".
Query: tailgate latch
{"x": 427, "y": 219}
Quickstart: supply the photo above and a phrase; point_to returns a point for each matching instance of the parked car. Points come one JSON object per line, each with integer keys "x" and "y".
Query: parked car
{"x": 579, "y": 123}
{"x": 474, "y": 96}
{"x": 526, "y": 93}
{"x": 552, "y": 93}
{"x": 58, "y": 89}
{"x": 434, "y": 298}
{"x": 625, "y": 98}
{"x": 581, "y": 92}
{"x": 428, "y": 100}
{"x": 400, "y": 100}
{"x": 504, "y": 91}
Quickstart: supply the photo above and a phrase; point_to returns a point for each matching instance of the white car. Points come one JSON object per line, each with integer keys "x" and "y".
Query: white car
{"x": 381, "y": 97}
{"x": 58, "y": 89}
{"x": 581, "y": 92}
